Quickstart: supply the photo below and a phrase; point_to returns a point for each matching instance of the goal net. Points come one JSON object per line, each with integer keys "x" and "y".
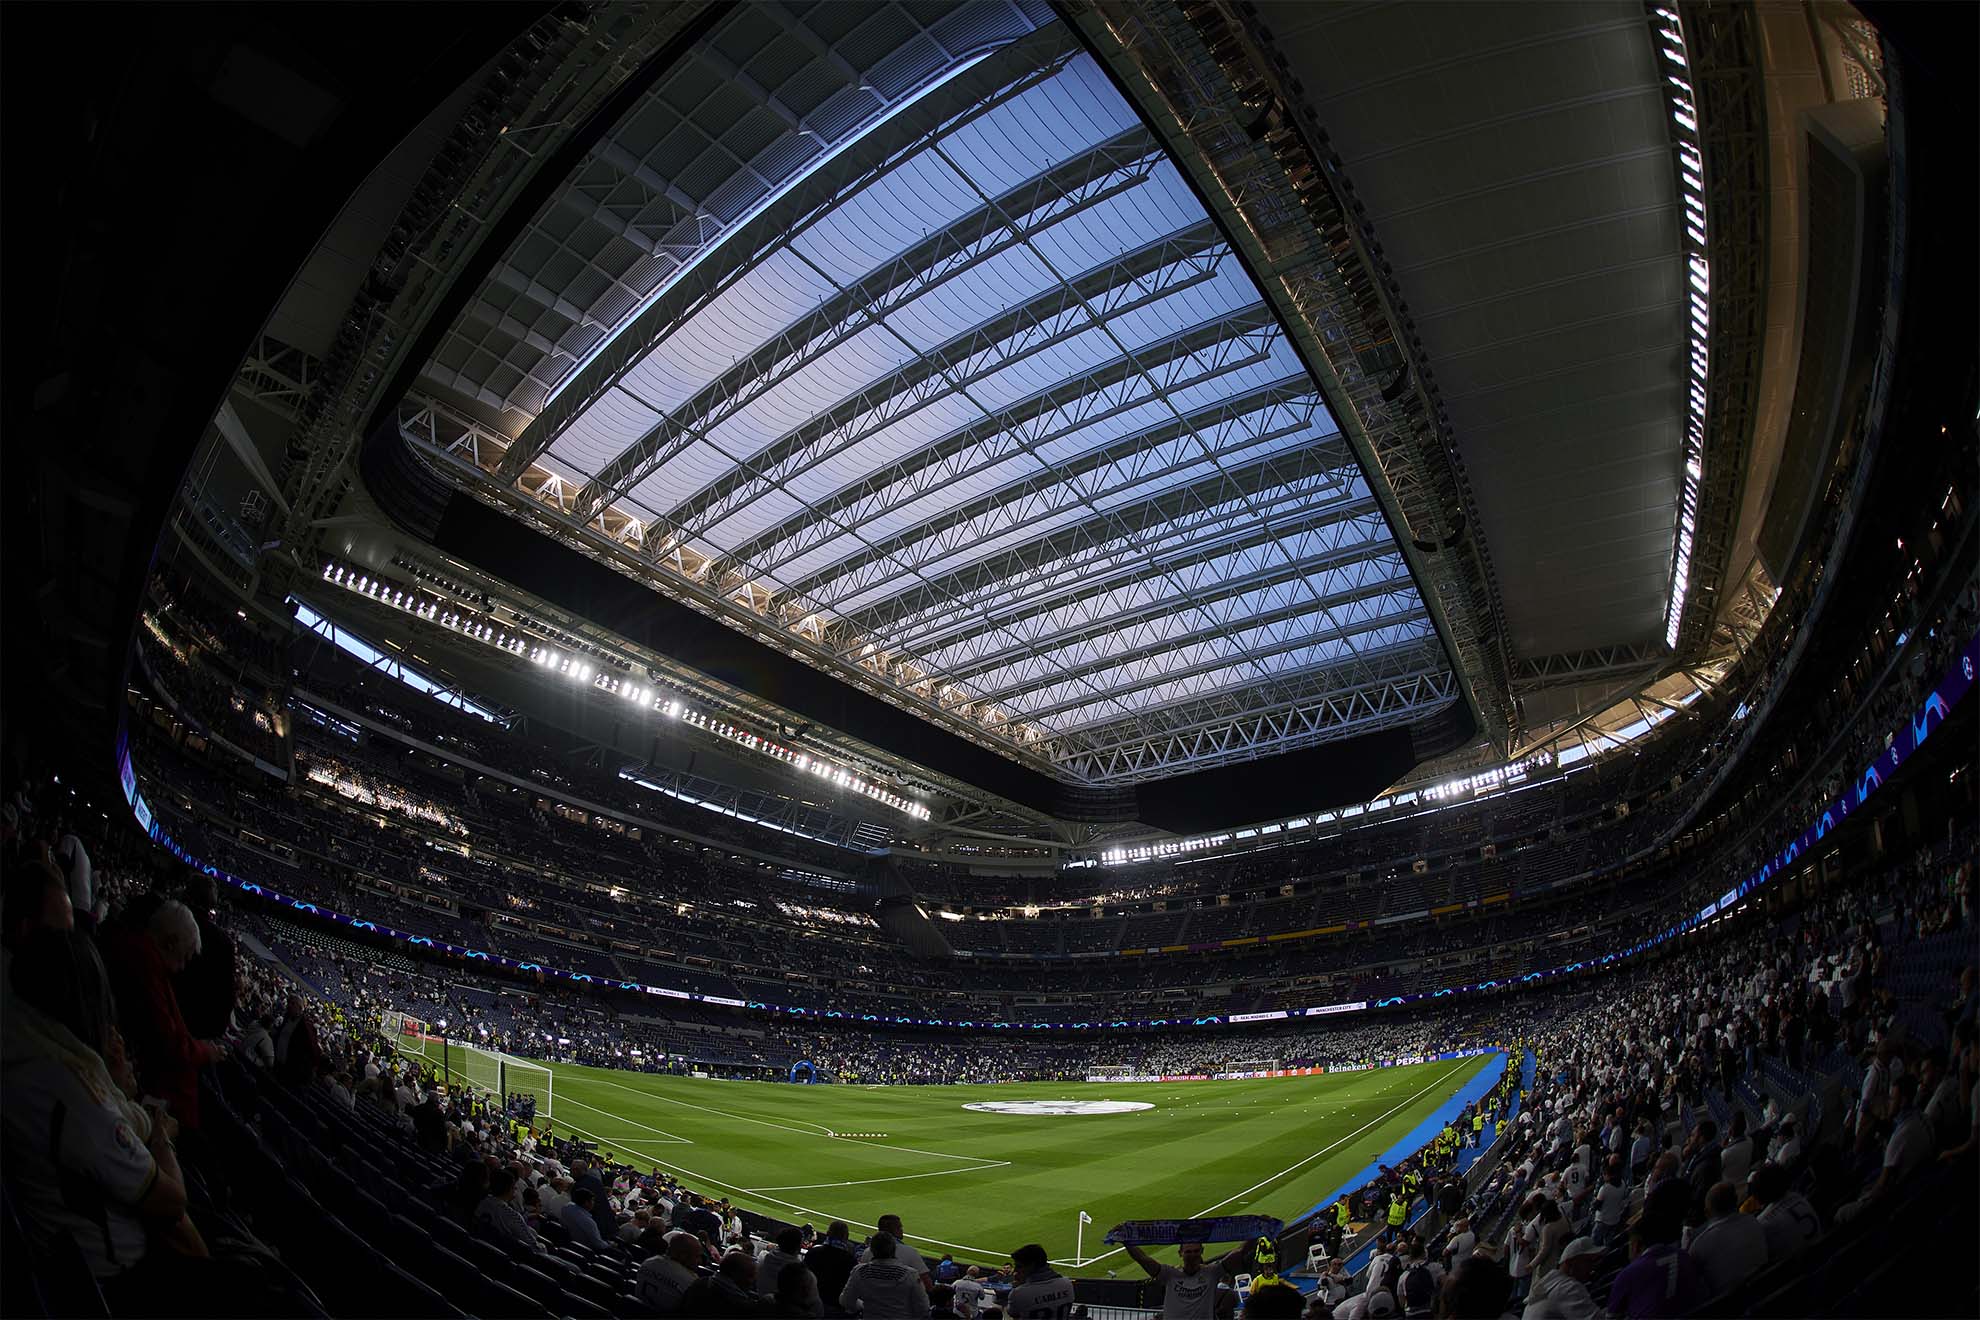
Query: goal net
{"x": 523, "y": 1090}
{"x": 1252, "y": 1066}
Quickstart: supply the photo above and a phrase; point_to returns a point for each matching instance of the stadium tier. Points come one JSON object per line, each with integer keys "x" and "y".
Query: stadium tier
{"x": 991, "y": 660}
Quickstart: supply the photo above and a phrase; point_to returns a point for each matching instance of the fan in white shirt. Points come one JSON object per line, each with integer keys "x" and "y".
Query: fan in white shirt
{"x": 1730, "y": 1247}
{"x": 1788, "y": 1220}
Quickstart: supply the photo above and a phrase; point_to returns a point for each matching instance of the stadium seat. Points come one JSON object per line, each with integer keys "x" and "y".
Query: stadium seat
{"x": 582, "y": 1308}
{"x": 537, "y": 1284}
{"x": 407, "y": 1295}
{"x": 596, "y": 1288}
{"x": 449, "y": 1234}
{"x": 491, "y": 1258}
{"x": 630, "y": 1307}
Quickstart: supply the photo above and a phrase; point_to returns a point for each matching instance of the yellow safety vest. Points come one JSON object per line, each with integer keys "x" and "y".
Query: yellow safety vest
{"x": 1341, "y": 1212}
{"x": 1396, "y": 1212}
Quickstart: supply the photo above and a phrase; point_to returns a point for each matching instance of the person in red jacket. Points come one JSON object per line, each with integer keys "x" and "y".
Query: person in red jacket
{"x": 143, "y": 962}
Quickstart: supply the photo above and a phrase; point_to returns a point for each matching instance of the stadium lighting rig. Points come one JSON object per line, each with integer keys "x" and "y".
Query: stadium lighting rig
{"x": 1668, "y": 30}
{"x": 668, "y": 705}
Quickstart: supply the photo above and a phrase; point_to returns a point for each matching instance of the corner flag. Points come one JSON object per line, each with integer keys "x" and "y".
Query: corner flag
{"x": 1085, "y": 1218}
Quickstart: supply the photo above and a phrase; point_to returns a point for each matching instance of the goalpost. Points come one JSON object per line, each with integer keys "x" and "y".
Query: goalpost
{"x": 1110, "y": 1072}
{"x": 500, "y": 1077}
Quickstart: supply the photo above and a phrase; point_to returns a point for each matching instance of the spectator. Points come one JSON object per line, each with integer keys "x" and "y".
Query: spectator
{"x": 298, "y": 1053}
{"x": 1562, "y": 1293}
{"x": 167, "y": 1054}
{"x": 498, "y": 1217}
{"x": 1786, "y": 1218}
{"x": 664, "y": 1279}
{"x": 1189, "y": 1290}
{"x": 727, "y": 1293}
{"x": 881, "y": 1288}
{"x": 206, "y": 986}
{"x": 1908, "y": 1150}
{"x": 1554, "y": 1233}
{"x": 1940, "y": 1088}
{"x": 633, "y": 1229}
{"x": 1037, "y": 1288}
{"x": 69, "y": 854}
{"x": 1461, "y": 1244}
{"x": 36, "y": 898}
{"x": 107, "y": 1176}
{"x": 578, "y": 1220}
{"x": 584, "y": 1175}
{"x": 903, "y": 1253}
{"x": 786, "y": 1249}
{"x": 1611, "y": 1203}
{"x": 1729, "y": 1247}
{"x": 968, "y": 1292}
{"x": 1276, "y": 1300}
{"x": 1660, "y": 1279}
{"x": 1478, "y": 1289}
{"x": 797, "y": 1291}
{"x": 700, "y": 1219}
{"x": 831, "y": 1259}
{"x": 1416, "y": 1288}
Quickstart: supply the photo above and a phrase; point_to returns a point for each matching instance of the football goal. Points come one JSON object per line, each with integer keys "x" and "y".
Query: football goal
{"x": 514, "y": 1084}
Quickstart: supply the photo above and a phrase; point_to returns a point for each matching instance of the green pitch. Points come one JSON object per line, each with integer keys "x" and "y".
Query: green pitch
{"x": 980, "y": 1184}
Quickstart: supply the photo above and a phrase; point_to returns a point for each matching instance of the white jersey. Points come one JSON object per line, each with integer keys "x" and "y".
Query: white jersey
{"x": 1043, "y": 1296}
{"x": 1191, "y": 1296}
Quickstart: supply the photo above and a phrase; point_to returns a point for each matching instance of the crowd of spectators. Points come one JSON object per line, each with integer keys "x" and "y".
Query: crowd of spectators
{"x": 1642, "y": 1124}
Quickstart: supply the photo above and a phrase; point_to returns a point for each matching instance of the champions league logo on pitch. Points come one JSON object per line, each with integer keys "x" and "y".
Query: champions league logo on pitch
{"x": 1056, "y": 1108}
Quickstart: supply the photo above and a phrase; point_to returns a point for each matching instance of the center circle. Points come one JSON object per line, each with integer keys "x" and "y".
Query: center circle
{"x": 1055, "y": 1108}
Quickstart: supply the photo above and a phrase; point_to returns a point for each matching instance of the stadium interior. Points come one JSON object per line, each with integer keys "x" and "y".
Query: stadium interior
{"x": 974, "y": 658}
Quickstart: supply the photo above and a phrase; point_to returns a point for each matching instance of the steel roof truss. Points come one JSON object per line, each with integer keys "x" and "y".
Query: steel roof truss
{"x": 1102, "y": 610}
{"x": 1133, "y": 280}
{"x": 1102, "y": 474}
{"x": 1094, "y": 556}
{"x": 1195, "y": 356}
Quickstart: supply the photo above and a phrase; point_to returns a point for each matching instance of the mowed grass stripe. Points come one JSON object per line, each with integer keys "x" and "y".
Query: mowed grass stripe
{"x": 986, "y": 1183}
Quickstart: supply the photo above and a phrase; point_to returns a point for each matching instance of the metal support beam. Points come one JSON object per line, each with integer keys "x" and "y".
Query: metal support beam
{"x": 1594, "y": 665}
{"x": 1200, "y": 739}
{"x": 1005, "y": 73}
{"x": 1106, "y": 475}
{"x": 1722, "y": 41}
{"x": 1097, "y": 556}
{"x": 1194, "y": 356}
{"x": 1132, "y": 280}
{"x": 1238, "y": 125}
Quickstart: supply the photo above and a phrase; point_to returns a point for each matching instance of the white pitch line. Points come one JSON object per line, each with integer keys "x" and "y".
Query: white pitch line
{"x": 1290, "y": 1167}
{"x": 987, "y": 1252}
{"x": 862, "y": 1182}
{"x": 822, "y": 1130}
{"x": 674, "y": 1137}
